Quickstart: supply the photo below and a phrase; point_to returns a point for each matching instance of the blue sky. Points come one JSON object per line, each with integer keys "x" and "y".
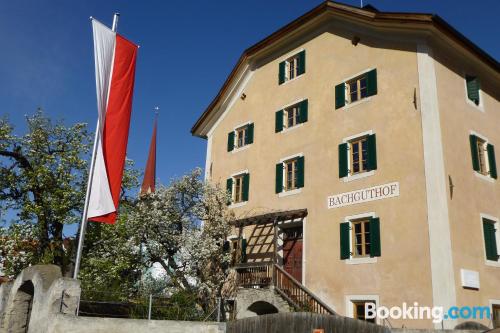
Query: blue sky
{"x": 187, "y": 50}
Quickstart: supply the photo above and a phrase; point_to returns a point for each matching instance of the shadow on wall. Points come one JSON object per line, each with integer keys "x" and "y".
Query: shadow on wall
{"x": 262, "y": 308}
{"x": 21, "y": 311}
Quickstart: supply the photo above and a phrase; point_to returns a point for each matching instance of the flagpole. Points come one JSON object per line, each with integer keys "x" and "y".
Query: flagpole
{"x": 83, "y": 223}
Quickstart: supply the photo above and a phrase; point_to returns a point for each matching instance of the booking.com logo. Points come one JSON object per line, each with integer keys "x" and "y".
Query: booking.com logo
{"x": 436, "y": 313}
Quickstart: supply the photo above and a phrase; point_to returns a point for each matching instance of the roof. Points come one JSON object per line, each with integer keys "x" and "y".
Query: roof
{"x": 271, "y": 217}
{"x": 367, "y": 13}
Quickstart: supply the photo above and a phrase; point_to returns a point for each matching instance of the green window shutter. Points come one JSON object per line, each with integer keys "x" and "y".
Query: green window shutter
{"x": 490, "y": 242}
{"x": 343, "y": 161}
{"x": 246, "y": 186}
{"x": 492, "y": 161}
{"x": 300, "y": 172}
{"x": 472, "y": 88}
{"x": 279, "y": 121}
{"x": 339, "y": 95}
{"x": 372, "y": 152}
{"x": 281, "y": 78}
{"x": 345, "y": 246}
{"x": 302, "y": 63}
{"x": 375, "y": 237}
{"x": 243, "y": 250}
{"x": 229, "y": 188}
{"x": 474, "y": 152}
{"x": 303, "y": 113}
{"x": 279, "y": 177}
{"x": 371, "y": 82}
{"x": 249, "y": 134}
{"x": 230, "y": 141}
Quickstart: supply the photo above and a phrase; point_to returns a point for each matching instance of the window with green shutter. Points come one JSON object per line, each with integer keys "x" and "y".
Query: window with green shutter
{"x": 343, "y": 160}
{"x": 345, "y": 246}
{"x": 230, "y": 141}
{"x": 483, "y": 156}
{"x": 229, "y": 189}
{"x": 473, "y": 86}
{"x": 279, "y": 121}
{"x": 492, "y": 161}
{"x": 303, "y": 111}
{"x": 375, "y": 248}
{"x": 339, "y": 95}
{"x": 246, "y": 187}
{"x": 372, "y": 153}
{"x": 292, "y": 67}
{"x": 281, "y": 75}
{"x": 474, "y": 152}
{"x": 356, "y": 89}
{"x": 490, "y": 239}
{"x": 358, "y": 155}
{"x": 279, "y": 178}
{"x": 300, "y": 172}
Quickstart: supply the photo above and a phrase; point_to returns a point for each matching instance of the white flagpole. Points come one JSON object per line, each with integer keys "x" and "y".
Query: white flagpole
{"x": 83, "y": 223}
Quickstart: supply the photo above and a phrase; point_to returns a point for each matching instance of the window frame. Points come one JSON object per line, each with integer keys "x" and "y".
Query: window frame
{"x": 365, "y": 237}
{"x": 486, "y": 158}
{"x": 496, "y": 222}
{"x": 235, "y": 175}
{"x": 350, "y": 301}
{"x": 356, "y": 260}
{"x": 353, "y": 176}
{"x": 494, "y": 303}
{"x": 359, "y": 89}
{"x": 479, "y": 106}
{"x": 244, "y": 126}
{"x": 292, "y": 55}
{"x": 295, "y": 190}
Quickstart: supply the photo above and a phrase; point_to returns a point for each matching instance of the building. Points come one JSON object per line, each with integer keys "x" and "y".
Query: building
{"x": 359, "y": 150}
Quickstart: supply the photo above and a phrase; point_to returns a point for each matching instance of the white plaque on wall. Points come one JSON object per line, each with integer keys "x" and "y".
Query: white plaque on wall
{"x": 364, "y": 195}
{"x": 470, "y": 279}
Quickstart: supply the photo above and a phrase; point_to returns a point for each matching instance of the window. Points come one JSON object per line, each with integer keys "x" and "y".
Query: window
{"x": 495, "y": 312}
{"x": 292, "y": 67}
{"x": 359, "y": 310}
{"x": 358, "y": 155}
{"x": 292, "y": 116}
{"x": 356, "y": 89}
{"x": 290, "y": 174}
{"x": 483, "y": 156}
{"x": 490, "y": 233}
{"x": 473, "y": 87}
{"x": 238, "y": 187}
{"x": 360, "y": 238}
{"x": 240, "y": 137}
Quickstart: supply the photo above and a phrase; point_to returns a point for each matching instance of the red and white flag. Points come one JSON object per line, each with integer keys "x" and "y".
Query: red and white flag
{"x": 115, "y": 59}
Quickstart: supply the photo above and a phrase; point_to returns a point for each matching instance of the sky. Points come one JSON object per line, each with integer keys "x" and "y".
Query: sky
{"x": 187, "y": 49}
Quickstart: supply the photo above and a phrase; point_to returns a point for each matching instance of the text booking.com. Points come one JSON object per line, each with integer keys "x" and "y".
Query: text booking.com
{"x": 436, "y": 313}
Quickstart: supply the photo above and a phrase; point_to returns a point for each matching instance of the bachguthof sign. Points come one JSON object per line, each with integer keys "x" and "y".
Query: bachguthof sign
{"x": 364, "y": 195}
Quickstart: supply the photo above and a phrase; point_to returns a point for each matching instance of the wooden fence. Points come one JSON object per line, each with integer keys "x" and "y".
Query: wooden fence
{"x": 302, "y": 322}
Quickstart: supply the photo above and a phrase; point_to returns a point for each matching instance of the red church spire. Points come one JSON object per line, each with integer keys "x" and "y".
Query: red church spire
{"x": 149, "y": 181}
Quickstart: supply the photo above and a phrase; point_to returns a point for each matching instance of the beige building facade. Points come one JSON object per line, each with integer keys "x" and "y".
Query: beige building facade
{"x": 381, "y": 129}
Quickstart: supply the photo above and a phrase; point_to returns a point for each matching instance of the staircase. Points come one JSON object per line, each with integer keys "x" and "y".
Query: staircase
{"x": 268, "y": 274}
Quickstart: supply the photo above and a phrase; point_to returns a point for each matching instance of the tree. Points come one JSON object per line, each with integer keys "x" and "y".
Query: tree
{"x": 43, "y": 178}
{"x": 184, "y": 227}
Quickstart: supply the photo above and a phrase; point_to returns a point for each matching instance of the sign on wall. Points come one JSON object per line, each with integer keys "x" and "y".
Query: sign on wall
{"x": 378, "y": 192}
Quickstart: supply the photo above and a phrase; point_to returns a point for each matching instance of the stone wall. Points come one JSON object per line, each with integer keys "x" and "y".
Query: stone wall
{"x": 250, "y": 301}
{"x": 73, "y": 324}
